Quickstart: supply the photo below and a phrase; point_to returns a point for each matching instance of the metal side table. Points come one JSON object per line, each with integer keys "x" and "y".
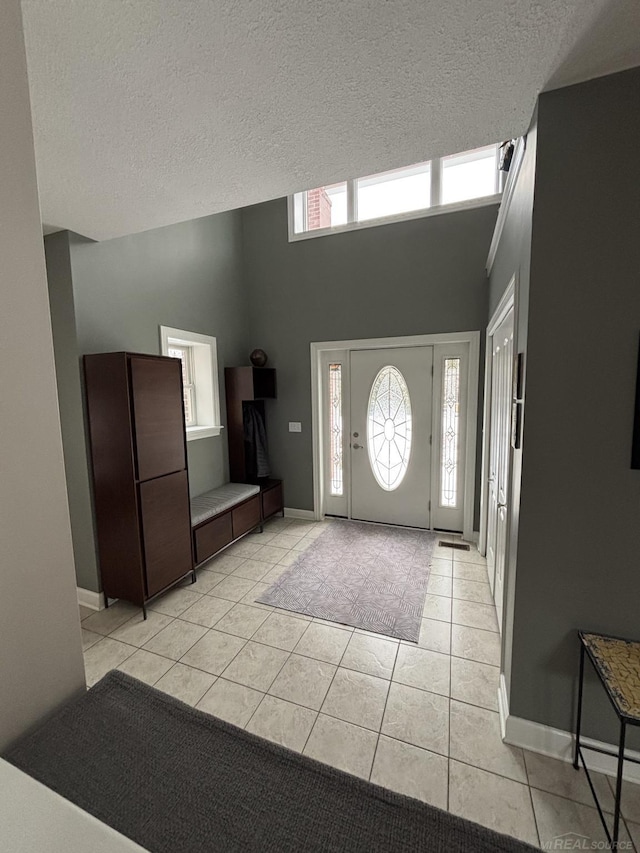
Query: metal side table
{"x": 617, "y": 664}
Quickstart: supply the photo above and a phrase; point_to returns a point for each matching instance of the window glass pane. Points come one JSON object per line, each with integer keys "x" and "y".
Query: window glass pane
{"x": 184, "y": 354}
{"x": 326, "y": 207}
{"x": 472, "y": 174}
{"x": 450, "y": 432}
{"x": 398, "y": 191}
{"x": 335, "y": 428}
{"x": 389, "y": 428}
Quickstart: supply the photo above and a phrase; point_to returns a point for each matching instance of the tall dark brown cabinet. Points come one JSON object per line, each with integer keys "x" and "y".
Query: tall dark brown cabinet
{"x": 141, "y": 488}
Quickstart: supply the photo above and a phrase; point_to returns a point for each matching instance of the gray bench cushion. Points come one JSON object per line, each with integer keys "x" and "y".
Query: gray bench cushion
{"x": 218, "y": 500}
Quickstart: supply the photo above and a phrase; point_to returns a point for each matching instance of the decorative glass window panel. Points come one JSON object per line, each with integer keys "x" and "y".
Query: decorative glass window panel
{"x": 450, "y": 433}
{"x": 389, "y": 428}
{"x": 391, "y": 193}
{"x": 185, "y": 355}
{"x": 335, "y": 429}
{"x": 473, "y": 174}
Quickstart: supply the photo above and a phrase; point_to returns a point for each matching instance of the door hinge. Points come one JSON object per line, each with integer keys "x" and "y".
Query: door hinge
{"x": 430, "y": 439}
{"x": 432, "y": 370}
{"x": 429, "y": 506}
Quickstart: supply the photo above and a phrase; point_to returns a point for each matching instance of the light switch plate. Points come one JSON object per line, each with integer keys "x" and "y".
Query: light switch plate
{"x": 295, "y": 426}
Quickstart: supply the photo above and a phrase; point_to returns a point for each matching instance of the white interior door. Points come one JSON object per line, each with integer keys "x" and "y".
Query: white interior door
{"x": 499, "y": 450}
{"x": 390, "y": 441}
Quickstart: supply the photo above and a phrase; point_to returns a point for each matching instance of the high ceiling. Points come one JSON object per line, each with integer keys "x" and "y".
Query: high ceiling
{"x": 149, "y": 113}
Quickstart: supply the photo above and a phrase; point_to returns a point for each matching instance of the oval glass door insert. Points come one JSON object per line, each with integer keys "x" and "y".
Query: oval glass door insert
{"x": 389, "y": 428}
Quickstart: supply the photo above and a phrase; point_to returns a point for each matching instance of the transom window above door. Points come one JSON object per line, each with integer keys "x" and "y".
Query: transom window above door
{"x": 424, "y": 189}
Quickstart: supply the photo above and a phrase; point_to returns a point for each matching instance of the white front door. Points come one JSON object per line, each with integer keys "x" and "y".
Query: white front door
{"x": 390, "y": 441}
{"x": 499, "y": 450}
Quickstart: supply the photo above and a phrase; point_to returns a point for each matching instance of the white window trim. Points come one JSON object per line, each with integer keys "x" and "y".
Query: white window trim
{"x": 205, "y": 368}
{"x": 334, "y": 349}
{"x": 436, "y": 168}
{"x": 434, "y": 210}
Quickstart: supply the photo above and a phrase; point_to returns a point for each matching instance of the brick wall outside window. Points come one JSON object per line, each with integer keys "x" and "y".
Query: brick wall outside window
{"x": 318, "y": 209}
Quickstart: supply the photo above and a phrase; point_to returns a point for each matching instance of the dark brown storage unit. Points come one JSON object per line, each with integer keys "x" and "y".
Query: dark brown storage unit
{"x": 214, "y": 534}
{"x": 250, "y": 386}
{"x": 141, "y": 489}
{"x": 245, "y": 386}
{"x": 271, "y": 497}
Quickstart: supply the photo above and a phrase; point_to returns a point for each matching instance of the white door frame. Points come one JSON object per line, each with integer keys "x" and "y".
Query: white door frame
{"x": 506, "y": 304}
{"x": 472, "y": 338}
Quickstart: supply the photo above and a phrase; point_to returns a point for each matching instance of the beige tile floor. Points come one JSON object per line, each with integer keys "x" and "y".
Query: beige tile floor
{"x": 419, "y": 719}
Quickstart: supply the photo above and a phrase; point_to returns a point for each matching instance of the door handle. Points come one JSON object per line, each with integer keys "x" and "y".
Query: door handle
{"x": 357, "y": 446}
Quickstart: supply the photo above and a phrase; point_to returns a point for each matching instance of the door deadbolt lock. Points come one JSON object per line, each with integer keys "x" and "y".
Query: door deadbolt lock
{"x": 356, "y": 434}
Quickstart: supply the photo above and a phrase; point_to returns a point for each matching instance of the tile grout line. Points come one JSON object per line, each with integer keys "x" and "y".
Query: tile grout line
{"x": 325, "y": 697}
{"x": 533, "y": 809}
{"x": 449, "y": 720}
{"x": 384, "y": 711}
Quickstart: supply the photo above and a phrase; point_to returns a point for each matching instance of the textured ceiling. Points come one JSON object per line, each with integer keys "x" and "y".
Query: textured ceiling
{"x": 150, "y": 112}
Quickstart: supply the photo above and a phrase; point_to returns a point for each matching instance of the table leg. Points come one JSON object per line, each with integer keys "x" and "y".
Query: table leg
{"x": 616, "y": 814}
{"x": 576, "y": 757}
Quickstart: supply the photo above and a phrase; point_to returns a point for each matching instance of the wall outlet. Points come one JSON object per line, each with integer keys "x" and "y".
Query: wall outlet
{"x": 295, "y": 426}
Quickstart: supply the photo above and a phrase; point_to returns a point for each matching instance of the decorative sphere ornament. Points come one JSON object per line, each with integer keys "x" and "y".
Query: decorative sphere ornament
{"x": 258, "y": 358}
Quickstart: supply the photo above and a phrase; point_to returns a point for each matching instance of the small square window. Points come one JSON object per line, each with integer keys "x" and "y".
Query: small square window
{"x": 391, "y": 193}
{"x": 322, "y": 207}
{"x": 473, "y": 174}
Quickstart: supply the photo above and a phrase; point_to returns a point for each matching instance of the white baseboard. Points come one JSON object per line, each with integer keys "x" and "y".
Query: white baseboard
{"x": 503, "y": 706}
{"x": 557, "y": 743}
{"x": 306, "y": 514}
{"x": 89, "y": 598}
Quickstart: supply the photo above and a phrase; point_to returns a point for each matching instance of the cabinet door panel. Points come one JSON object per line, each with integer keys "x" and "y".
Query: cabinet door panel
{"x": 212, "y": 536}
{"x": 156, "y": 385}
{"x": 272, "y": 501}
{"x": 246, "y": 516}
{"x": 166, "y": 530}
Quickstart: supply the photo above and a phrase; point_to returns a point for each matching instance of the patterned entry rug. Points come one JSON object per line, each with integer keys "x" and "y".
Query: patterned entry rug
{"x": 370, "y": 576}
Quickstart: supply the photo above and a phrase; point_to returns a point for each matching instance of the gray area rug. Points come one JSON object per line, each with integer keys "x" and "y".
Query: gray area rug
{"x": 177, "y": 780}
{"x": 370, "y": 576}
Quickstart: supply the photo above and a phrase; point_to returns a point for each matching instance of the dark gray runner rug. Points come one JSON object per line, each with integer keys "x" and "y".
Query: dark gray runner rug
{"x": 370, "y": 576}
{"x": 177, "y": 780}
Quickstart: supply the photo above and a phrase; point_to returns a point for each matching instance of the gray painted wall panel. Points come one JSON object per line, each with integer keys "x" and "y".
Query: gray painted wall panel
{"x": 415, "y": 277}
{"x": 513, "y": 257}
{"x": 579, "y": 535}
{"x": 187, "y": 276}
{"x": 70, "y": 403}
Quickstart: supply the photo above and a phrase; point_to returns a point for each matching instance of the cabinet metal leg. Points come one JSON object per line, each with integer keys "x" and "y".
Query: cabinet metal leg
{"x": 194, "y": 577}
{"x": 616, "y": 813}
{"x": 106, "y": 602}
{"x": 144, "y": 611}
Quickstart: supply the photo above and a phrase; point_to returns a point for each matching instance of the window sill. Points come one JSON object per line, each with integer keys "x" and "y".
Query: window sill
{"x": 436, "y": 210}
{"x": 196, "y": 432}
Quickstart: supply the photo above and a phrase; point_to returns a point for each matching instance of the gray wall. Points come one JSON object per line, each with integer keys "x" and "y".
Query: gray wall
{"x": 513, "y": 257}
{"x": 40, "y": 648}
{"x": 187, "y": 276}
{"x": 579, "y": 535}
{"x": 416, "y": 277}
{"x": 70, "y": 403}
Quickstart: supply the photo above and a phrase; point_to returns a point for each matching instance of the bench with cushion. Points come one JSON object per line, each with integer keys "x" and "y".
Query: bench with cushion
{"x": 222, "y": 515}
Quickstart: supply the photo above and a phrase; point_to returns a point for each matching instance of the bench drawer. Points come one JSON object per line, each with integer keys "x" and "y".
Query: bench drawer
{"x": 272, "y": 501}
{"x": 213, "y": 535}
{"x": 246, "y": 516}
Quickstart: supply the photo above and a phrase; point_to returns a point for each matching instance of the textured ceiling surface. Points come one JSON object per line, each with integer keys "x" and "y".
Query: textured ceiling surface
{"x": 150, "y": 112}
